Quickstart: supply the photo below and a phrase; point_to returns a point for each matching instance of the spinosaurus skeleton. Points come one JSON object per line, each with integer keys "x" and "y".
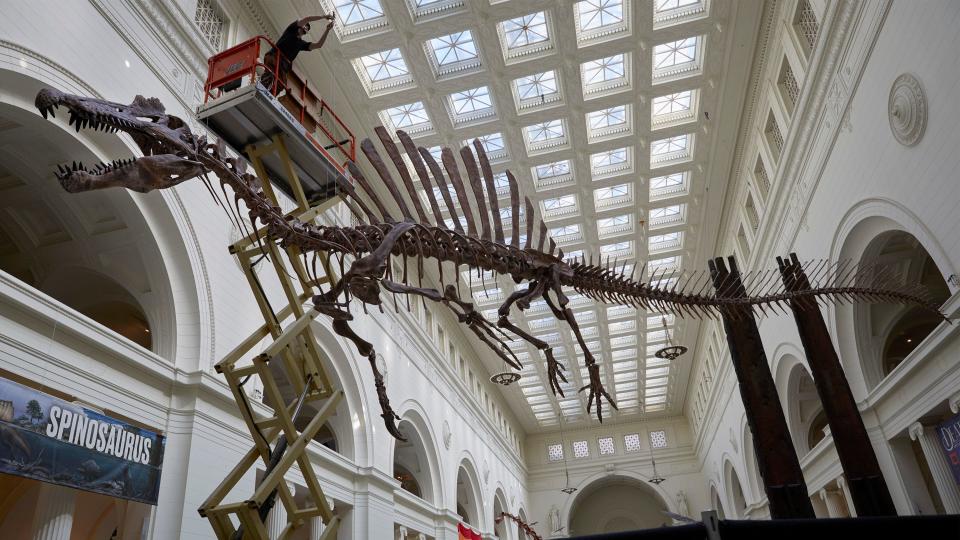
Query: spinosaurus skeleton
{"x": 172, "y": 154}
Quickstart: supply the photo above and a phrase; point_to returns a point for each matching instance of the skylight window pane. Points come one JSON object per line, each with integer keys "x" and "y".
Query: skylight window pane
{"x": 354, "y": 11}
{"x": 500, "y": 181}
{"x": 473, "y": 100}
{"x": 675, "y": 53}
{"x": 384, "y": 65}
{"x": 619, "y": 246}
{"x": 492, "y": 143}
{"x": 526, "y": 30}
{"x": 666, "y": 5}
{"x": 612, "y": 192}
{"x": 557, "y": 168}
{"x": 605, "y": 118}
{"x": 609, "y": 158}
{"x": 665, "y": 211}
{"x": 412, "y": 114}
{"x": 537, "y": 85}
{"x": 663, "y": 238}
{"x": 566, "y": 230}
{"x": 456, "y": 47}
{"x": 604, "y": 69}
{"x": 545, "y": 131}
{"x": 614, "y": 221}
{"x": 559, "y": 202}
{"x": 670, "y": 180}
{"x": 599, "y": 13}
{"x": 672, "y": 103}
{"x": 669, "y": 145}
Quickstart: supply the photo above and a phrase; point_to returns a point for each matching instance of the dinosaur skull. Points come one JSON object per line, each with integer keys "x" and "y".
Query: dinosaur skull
{"x": 169, "y": 148}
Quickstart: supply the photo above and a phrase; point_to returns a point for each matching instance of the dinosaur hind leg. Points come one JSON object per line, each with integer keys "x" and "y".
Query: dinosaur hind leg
{"x": 564, "y": 313}
{"x": 365, "y": 348}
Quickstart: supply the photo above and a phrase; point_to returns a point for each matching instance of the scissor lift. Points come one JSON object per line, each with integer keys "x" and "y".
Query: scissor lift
{"x": 299, "y": 145}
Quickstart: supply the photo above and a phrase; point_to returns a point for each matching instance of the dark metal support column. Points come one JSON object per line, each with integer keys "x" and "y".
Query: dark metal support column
{"x": 867, "y": 486}
{"x": 776, "y": 457}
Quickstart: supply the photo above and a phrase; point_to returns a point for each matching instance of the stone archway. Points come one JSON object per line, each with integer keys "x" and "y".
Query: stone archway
{"x": 616, "y": 503}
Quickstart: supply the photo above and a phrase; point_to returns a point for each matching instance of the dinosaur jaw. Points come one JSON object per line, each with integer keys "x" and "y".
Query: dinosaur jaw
{"x": 162, "y": 138}
{"x": 143, "y": 174}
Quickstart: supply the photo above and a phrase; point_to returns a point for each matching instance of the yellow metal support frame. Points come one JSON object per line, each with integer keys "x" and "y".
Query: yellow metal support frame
{"x": 295, "y": 346}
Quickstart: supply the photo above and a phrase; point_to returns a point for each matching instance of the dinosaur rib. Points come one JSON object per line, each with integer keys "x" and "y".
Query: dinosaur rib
{"x": 387, "y": 141}
{"x": 491, "y": 190}
{"x": 477, "y": 185}
{"x": 450, "y": 164}
{"x": 357, "y": 174}
{"x": 444, "y": 190}
{"x": 374, "y": 158}
{"x": 529, "y": 243}
{"x": 422, "y": 173}
{"x": 514, "y": 211}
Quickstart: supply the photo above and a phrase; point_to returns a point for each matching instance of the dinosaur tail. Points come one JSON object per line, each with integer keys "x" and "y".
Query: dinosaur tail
{"x": 706, "y": 295}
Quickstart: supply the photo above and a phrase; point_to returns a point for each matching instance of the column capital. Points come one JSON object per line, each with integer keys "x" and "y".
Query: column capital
{"x": 841, "y": 482}
{"x": 915, "y": 430}
{"x": 954, "y": 403}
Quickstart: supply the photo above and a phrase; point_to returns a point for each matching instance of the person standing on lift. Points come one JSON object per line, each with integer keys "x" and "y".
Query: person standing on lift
{"x": 290, "y": 44}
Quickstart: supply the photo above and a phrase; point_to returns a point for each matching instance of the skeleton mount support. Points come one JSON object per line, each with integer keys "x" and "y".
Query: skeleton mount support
{"x": 430, "y": 243}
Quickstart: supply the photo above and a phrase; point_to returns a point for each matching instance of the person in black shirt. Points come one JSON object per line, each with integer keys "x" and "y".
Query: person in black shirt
{"x": 290, "y": 44}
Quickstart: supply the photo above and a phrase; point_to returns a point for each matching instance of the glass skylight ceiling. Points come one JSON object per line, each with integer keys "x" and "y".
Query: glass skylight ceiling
{"x": 616, "y": 178}
{"x": 355, "y": 11}
{"x": 384, "y": 65}
{"x": 526, "y": 30}
{"x": 599, "y": 13}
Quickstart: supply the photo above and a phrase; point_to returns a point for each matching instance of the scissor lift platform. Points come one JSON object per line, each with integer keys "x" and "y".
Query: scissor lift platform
{"x": 298, "y": 129}
{"x": 251, "y": 116}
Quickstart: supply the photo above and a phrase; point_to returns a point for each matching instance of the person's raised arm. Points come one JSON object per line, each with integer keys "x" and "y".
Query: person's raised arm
{"x": 323, "y": 38}
{"x": 312, "y": 18}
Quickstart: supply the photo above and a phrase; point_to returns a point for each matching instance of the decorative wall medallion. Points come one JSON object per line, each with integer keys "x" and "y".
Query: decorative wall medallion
{"x": 447, "y": 435}
{"x": 907, "y": 109}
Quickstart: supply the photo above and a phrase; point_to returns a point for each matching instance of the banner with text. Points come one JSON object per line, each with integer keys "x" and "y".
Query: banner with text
{"x": 51, "y": 440}
{"x": 949, "y": 432}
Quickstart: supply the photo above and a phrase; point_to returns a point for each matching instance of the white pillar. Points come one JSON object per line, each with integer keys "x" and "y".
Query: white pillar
{"x": 53, "y": 517}
{"x": 276, "y": 520}
{"x": 847, "y": 497}
{"x": 316, "y": 527}
{"x": 833, "y": 499}
{"x": 402, "y": 533}
{"x": 939, "y": 470}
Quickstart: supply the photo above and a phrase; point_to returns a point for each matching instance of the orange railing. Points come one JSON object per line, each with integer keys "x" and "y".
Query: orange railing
{"x": 244, "y": 64}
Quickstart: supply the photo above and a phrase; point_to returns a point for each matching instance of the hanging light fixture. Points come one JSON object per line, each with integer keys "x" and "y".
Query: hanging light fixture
{"x": 671, "y": 351}
{"x": 568, "y": 489}
{"x": 506, "y": 378}
{"x": 656, "y": 479}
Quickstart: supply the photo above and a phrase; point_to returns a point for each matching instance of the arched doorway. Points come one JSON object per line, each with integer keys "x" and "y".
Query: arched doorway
{"x": 616, "y": 503}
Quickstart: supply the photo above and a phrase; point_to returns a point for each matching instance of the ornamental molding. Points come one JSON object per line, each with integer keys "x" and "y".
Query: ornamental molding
{"x": 907, "y": 110}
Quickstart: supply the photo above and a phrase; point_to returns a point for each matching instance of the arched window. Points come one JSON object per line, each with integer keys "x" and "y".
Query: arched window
{"x": 92, "y": 252}
{"x": 816, "y": 434}
{"x": 411, "y": 464}
{"x": 890, "y": 332}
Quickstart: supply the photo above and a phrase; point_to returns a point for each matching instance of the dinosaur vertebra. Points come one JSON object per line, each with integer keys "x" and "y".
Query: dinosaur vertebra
{"x": 172, "y": 154}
